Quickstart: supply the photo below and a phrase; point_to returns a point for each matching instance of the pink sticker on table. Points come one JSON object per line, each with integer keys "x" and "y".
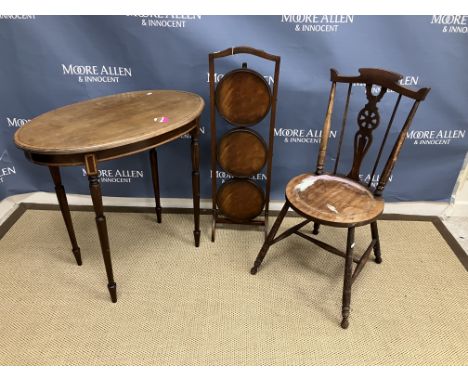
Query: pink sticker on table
{"x": 161, "y": 119}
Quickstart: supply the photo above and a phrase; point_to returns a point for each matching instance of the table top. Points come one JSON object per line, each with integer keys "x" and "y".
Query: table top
{"x": 109, "y": 122}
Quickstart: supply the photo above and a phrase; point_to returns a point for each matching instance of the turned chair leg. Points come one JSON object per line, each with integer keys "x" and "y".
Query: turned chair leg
{"x": 316, "y": 228}
{"x": 269, "y": 239}
{"x": 375, "y": 236}
{"x": 347, "y": 279}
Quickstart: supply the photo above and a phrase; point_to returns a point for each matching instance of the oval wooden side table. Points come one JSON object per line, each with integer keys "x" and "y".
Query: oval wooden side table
{"x": 115, "y": 126}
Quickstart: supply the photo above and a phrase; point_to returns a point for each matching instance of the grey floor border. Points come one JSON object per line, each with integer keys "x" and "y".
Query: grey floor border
{"x": 12, "y": 219}
{"x": 440, "y": 226}
{"x": 443, "y": 230}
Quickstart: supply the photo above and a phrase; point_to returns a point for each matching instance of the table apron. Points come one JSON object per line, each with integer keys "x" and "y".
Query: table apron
{"x": 76, "y": 159}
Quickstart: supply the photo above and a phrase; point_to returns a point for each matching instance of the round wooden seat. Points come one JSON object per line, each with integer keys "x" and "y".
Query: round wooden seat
{"x": 333, "y": 200}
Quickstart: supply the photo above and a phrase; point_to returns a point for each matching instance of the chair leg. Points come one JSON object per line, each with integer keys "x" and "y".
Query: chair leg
{"x": 269, "y": 239}
{"x": 347, "y": 279}
{"x": 316, "y": 228}
{"x": 375, "y": 235}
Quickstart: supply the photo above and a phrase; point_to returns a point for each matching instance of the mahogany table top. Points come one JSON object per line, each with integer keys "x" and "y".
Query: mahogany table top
{"x": 108, "y": 122}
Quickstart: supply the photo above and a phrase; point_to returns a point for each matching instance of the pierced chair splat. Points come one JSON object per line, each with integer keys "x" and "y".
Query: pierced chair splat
{"x": 342, "y": 200}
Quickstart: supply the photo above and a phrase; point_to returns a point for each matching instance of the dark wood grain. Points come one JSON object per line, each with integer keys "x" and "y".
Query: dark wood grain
{"x": 213, "y": 144}
{"x": 333, "y": 200}
{"x": 375, "y": 236}
{"x": 65, "y": 210}
{"x": 110, "y": 127}
{"x": 244, "y": 50}
{"x": 108, "y": 122}
{"x": 343, "y": 201}
{"x": 96, "y": 196}
{"x": 240, "y": 200}
{"x": 347, "y": 282}
{"x": 326, "y": 131}
{"x": 270, "y": 238}
{"x": 391, "y": 161}
{"x": 243, "y": 97}
{"x": 242, "y": 152}
{"x": 195, "y": 151}
{"x": 381, "y": 77}
{"x": 155, "y": 178}
{"x": 368, "y": 120}
{"x": 113, "y": 153}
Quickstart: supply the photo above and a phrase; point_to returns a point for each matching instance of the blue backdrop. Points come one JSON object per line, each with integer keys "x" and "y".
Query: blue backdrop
{"x": 50, "y": 61}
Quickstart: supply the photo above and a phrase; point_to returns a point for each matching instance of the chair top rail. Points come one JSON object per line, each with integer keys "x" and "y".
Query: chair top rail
{"x": 382, "y": 78}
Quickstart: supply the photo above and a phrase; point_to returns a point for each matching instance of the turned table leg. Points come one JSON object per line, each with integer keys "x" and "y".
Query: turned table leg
{"x": 63, "y": 203}
{"x": 196, "y": 181}
{"x": 155, "y": 175}
{"x": 96, "y": 196}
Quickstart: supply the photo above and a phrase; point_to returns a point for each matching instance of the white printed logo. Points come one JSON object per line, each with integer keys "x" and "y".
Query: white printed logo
{"x": 16, "y": 122}
{"x": 317, "y": 23}
{"x": 167, "y": 21}
{"x": 224, "y": 176}
{"x": 187, "y": 136}
{"x": 95, "y": 73}
{"x": 313, "y": 136}
{"x": 434, "y": 137}
{"x": 17, "y": 17}
{"x": 118, "y": 176}
{"x": 405, "y": 81}
{"x": 451, "y": 23}
{"x": 217, "y": 77}
{"x": 6, "y": 166}
{"x": 375, "y": 179}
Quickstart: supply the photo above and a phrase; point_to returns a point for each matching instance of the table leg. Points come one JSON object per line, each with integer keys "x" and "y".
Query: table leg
{"x": 96, "y": 196}
{"x": 196, "y": 181}
{"x": 155, "y": 176}
{"x": 65, "y": 209}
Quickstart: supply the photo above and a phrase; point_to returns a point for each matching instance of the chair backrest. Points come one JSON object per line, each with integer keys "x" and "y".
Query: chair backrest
{"x": 368, "y": 119}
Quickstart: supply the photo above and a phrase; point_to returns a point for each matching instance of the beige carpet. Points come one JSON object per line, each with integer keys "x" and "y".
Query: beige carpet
{"x": 179, "y": 305}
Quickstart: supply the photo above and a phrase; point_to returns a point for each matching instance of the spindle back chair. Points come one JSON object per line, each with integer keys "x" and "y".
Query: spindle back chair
{"x": 342, "y": 200}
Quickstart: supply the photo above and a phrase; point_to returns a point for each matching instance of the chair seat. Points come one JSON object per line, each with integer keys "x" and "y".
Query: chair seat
{"x": 333, "y": 200}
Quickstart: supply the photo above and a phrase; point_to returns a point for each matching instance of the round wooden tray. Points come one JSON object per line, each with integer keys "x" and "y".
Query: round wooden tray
{"x": 242, "y": 152}
{"x": 240, "y": 200}
{"x": 243, "y": 97}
